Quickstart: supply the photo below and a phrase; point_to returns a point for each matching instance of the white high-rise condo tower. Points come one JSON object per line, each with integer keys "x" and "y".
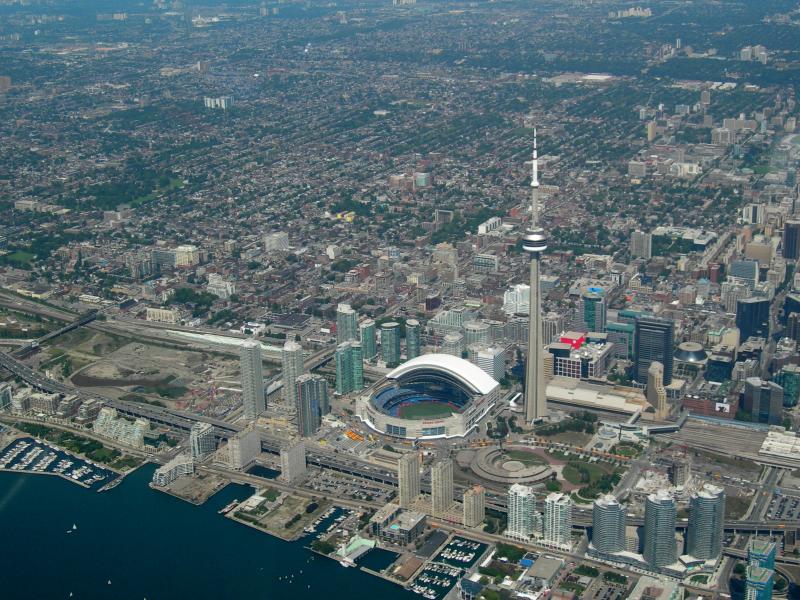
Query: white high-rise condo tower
{"x": 252, "y": 379}
{"x": 534, "y": 243}
{"x": 408, "y": 479}
{"x": 292, "y": 366}
{"x": 441, "y": 487}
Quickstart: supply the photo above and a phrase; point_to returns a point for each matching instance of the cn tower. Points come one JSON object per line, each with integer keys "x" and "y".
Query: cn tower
{"x": 534, "y": 243}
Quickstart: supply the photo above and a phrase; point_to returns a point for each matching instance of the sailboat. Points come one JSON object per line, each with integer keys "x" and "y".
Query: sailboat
{"x": 74, "y": 527}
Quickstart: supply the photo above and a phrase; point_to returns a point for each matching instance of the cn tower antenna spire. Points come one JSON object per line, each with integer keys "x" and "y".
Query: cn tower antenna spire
{"x": 535, "y": 185}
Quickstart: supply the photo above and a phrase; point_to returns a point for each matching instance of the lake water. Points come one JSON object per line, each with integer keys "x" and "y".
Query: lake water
{"x": 151, "y": 545}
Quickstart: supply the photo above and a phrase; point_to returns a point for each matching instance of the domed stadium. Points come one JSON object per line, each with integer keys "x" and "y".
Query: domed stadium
{"x": 431, "y": 396}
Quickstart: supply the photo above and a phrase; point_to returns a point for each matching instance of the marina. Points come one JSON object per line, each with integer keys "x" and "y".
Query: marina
{"x": 28, "y": 455}
{"x": 436, "y": 580}
{"x": 445, "y": 569}
{"x": 461, "y": 553}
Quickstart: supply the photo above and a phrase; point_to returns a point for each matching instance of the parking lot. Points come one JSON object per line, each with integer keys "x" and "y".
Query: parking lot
{"x": 335, "y": 485}
{"x": 784, "y": 508}
{"x": 607, "y": 592}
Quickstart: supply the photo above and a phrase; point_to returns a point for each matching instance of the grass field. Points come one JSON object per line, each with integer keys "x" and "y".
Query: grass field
{"x": 529, "y": 459}
{"x": 627, "y": 449}
{"x": 20, "y": 257}
{"x": 736, "y": 506}
{"x": 426, "y": 410}
{"x": 595, "y": 471}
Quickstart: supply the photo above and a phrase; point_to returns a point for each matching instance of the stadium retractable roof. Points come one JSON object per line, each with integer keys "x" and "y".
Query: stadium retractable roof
{"x": 463, "y": 371}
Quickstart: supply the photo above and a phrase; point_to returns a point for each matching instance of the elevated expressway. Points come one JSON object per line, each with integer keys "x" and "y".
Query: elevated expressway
{"x": 350, "y": 465}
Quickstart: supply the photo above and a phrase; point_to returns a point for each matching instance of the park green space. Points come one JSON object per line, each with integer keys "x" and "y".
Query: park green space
{"x": 529, "y": 459}
{"x": 628, "y": 449}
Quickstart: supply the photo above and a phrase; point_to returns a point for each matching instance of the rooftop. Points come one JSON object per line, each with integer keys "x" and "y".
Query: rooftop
{"x": 477, "y": 380}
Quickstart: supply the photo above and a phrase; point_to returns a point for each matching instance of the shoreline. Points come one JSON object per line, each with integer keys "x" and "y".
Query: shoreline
{"x": 383, "y": 576}
{"x": 61, "y": 475}
{"x": 230, "y": 515}
{"x": 366, "y": 570}
{"x": 198, "y": 502}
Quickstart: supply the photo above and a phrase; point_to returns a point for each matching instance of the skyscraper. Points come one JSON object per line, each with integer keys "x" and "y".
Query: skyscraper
{"x": 746, "y": 270}
{"x": 791, "y": 240}
{"x": 761, "y": 552}
{"x": 654, "y": 340}
{"x": 517, "y": 300}
{"x": 441, "y": 487}
{"x": 252, "y": 380}
{"x": 474, "y": 506}
{"x": 763, "y": 400}
{"x": 349, "y": 368}
{"x": 408, "y": 479}
{"x": 311, "y": 404}
{"x": 521, "y": 512}
{"x": 641, "y": 245}
{"x": 652, "y": 131}
{"x": 292, "y": 367}
{"x": 243, "y": 448}
{"x": 346, "y": 324}
{"x": 492, "y": 361}
{"x": 752, "y": 317}
{"x": 453, "y": 343}
{"x": 293, "y": 461}
{"x": 201, "y": 440}
{"x": 476, "y": 332}
{"x": 656, "y": 393}
{"x": 413, "y": 339}
{"x": 535, "y": 243}
{"x": 706, "y": 522}
{"x": 390, "y": 343}
{"x": 608, "y": 525}
{"x": 368, "y": 342}
{"x": 558, "y": 520}
{"x": 594, "y": 310}
{"x": 759, "y": 583}
{"x": 660, "y": 516}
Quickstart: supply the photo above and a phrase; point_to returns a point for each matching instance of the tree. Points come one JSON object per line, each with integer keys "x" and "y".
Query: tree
{"x": 553, "y": 485}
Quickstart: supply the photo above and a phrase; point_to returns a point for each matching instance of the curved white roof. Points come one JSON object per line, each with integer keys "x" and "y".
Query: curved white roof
{"x": 464, "y": 371}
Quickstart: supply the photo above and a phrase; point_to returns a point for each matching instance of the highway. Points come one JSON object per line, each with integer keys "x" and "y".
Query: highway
{"x": 82, "y": 320}
{"x": 328, "y": 460}
{"x": 781, "y": 562}
{"x": 764, "y": 495}
{"x": 20, "y": 303}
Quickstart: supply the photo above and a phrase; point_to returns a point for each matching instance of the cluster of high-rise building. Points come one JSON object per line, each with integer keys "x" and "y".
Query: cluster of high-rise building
{"x": 760, "y": 569}
{"x": 552, "y": 526}
{"x": 660, "y": 549}
{"x": 442, "y": 504}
